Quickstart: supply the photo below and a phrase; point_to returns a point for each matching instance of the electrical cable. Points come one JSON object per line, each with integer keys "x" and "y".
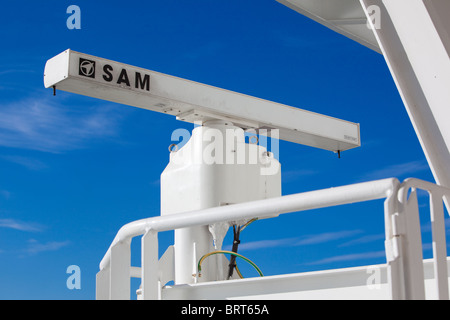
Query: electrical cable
{"x": 232, "y": 265}
{"x": 199, "y": 267}
{"x": 236, "y": 242}
{"x": 250, "y": 221}
{"x": 238, "y": 272}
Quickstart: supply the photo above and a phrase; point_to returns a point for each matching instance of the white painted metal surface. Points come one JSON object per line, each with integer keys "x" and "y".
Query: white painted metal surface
{"x": 369, "y": 282}
{"x": 215, "y": 168}
{"x": 408, "y": 226}
{"x": 261, "y": 208}
{"x": 111, "y": 277}
{"x": 405, "y": 275}
{"x": 358, "y": 283}
{"x": 191, "y": 101}
{"x": 343, "y": 16}
{"x": 414, "y": 37}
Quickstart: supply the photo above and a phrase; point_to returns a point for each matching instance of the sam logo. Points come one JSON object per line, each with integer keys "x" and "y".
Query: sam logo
{"x": 126, "y": 78}
{"x": 87, "y": 68}
{"x": 114, "y": 74}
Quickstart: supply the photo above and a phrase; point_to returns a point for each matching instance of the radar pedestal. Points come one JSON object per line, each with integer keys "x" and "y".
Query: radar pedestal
{"x": 216, "y": 167}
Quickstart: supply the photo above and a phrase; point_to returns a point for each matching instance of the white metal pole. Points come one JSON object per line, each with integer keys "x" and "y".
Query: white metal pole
{"x": 149, "y": 265}
{"x": 119, "y": 285}
{"x": 413, "y": 36}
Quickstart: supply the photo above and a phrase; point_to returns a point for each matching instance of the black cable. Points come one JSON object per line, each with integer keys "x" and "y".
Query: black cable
{"x": 234, "y": 249}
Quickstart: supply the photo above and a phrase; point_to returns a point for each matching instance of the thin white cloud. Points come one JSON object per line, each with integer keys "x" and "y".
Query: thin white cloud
{"x": 15, "y": 71}
{"x": 264, "y": 244}
{"x": 35, "y": 247}
{"x": 21, "y": 225}
{"x": 351, "y": 257}
{"x": 327, "y": 237}
{"x": 364, "y": 239}
{"x": 29, "y": 163}
{"x": 404, "y": 170}
{"x": 41, "y": 124}
{"x": 299, "y": 241}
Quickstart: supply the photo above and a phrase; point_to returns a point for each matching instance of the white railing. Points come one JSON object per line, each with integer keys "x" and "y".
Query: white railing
{"x": 113, "y": 279}
{"x": 409, "y": 272}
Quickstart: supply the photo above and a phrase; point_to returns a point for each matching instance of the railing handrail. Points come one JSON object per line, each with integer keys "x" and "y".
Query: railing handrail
{"x": 359, "y": 192}
{"x": 423, "y": 185}
{"x": 409, "y": 227}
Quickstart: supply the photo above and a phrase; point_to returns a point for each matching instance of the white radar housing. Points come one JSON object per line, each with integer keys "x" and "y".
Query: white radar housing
{"x": 194, "y": 102}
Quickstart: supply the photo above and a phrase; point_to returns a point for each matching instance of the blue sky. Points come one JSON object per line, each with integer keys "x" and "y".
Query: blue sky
{"x": 74, "y": 169}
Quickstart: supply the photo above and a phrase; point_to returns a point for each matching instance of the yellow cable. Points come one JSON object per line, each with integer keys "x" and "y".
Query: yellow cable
{"x": 229, "y": 252}
{"x": 232, "y": 253}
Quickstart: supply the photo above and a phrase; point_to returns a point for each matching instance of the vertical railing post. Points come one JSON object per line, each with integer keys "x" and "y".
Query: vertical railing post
{"x": 392, "y": 245}
{"x": 411, "y": 244}
{"x": 414, "y": 273}
{"x": 102, "y": 284}
{"x": 149, "y": 266}
{"x": 120, "y": 271}
{"x": 413, "y": 257}
{"x": 439, "y": 246}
